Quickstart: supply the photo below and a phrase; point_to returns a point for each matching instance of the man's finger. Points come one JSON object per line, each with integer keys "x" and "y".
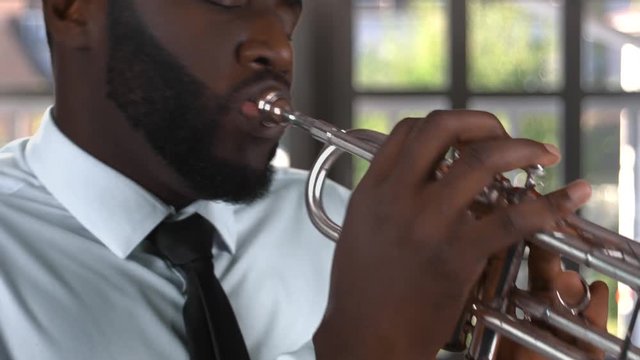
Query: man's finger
{"x": 387, "y": 156}
{"x": 516, "y": 222}
{"x": 480, "y": 161}
{"x": 544, "y": 266}
{"x": 438, "y": 132}
{"x": 597, "y": 311}
{"x": 569, "y": 287}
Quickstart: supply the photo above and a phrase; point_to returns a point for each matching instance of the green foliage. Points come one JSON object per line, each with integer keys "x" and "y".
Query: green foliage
{"x": 410, "y": 52}
{"x": 511, "y": 49}
{"x": 600, "y": 158}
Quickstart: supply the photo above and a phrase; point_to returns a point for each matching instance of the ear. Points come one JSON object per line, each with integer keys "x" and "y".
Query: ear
{"x": 67, "y": 22}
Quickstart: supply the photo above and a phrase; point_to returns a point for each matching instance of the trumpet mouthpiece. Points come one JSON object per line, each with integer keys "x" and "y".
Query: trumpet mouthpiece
{"x": 277, "y": 106}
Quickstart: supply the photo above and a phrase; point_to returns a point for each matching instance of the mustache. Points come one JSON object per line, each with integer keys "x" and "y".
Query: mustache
{"x": 223, "y": 106}
{"x": 260, "y": 77}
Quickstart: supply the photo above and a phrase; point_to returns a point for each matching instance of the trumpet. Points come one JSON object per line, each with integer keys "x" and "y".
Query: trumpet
{"x": 488, "y": 315}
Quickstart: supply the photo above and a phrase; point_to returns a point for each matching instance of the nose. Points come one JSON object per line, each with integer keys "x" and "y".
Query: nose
{"x": 267, "y": 47}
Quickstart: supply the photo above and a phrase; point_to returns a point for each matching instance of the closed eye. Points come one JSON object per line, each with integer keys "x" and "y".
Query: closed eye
{"x": 294, "y": 2}
{"x": 228, "y": 4}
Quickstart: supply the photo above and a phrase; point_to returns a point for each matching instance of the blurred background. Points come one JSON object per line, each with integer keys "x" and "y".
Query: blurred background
{"x": 560, "y": 71}
{"x": 25, "y": 72}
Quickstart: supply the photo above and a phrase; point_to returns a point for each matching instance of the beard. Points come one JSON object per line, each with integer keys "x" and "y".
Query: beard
{"x": 178, "y": 114}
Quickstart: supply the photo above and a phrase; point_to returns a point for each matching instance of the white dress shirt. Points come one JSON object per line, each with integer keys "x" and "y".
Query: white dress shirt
{"x": 77, "y": 281}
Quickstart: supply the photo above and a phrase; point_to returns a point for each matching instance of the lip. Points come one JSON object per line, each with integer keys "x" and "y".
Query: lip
{"x": 252, "y": 119}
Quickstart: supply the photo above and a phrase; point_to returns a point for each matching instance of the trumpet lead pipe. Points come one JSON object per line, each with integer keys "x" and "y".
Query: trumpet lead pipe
{"x": 280, "y": 113}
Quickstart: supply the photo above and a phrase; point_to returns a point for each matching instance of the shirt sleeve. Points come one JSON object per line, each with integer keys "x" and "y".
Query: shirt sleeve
{"x": 306, "y": 352}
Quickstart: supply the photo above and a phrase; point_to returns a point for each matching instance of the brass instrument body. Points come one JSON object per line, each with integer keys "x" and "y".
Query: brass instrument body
{"x": 492, "y": 302}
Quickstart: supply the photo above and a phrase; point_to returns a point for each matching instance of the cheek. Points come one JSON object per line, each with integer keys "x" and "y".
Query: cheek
{"x": 204, "y": 41}
{"x": 207, "y": 55}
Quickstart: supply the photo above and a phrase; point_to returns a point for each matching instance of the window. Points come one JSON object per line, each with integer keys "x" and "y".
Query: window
{"x": 563, "y": 72}
{"x": 505, "y": 58}
{"x": 25, "y": 73}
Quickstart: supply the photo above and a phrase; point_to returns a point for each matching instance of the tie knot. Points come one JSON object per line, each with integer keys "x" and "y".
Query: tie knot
{"x": 185, "y": 241}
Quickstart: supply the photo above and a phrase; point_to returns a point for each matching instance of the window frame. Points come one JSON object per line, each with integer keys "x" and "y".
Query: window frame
{"x": 334, "y": 93}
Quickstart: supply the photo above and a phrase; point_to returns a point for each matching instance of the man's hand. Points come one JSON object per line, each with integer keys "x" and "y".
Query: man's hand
{"x": 410, "y": 250}
{"x": 546, "y": 276}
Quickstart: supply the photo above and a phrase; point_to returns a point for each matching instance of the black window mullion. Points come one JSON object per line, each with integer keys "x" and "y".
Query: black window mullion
{"x": 458, "y": 54}
{"x": 573, "y": 93}
{"x": 339, "y": 93}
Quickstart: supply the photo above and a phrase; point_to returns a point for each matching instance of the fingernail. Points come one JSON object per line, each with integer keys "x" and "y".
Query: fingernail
{"x": 579, "y": 191}
{"x": 553, "y": 149}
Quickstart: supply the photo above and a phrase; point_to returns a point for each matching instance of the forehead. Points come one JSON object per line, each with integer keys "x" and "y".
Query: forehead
{"x": 228, "y": 4}
{"x": 173, "y": 15}
{"x": 180, "y": 9}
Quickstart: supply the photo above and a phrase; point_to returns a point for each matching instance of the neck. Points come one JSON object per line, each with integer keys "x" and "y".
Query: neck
{"x": 84, "y": 114}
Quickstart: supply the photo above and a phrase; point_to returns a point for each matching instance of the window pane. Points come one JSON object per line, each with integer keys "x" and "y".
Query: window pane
{"x": 382, "y": 113}
{"x": 610, "y": 142}
{"x": 532, "y": 118}
{"x": 24, "y": 64}
{"x": 20, "y": 117}
{"x": 25, "y": 72}
{"x": 611, "y": 45}
{"x": 515, "y": 45}
{"x": 602, "y": 123}
{"x": 400, "y": 44}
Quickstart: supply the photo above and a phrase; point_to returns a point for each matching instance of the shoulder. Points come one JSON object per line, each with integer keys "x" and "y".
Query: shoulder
{"x": 14, "y": 170}
{"x": 22, "y": 195}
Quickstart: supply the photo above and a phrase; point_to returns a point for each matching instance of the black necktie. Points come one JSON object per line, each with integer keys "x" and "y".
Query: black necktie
{"x": 212, "y": 329}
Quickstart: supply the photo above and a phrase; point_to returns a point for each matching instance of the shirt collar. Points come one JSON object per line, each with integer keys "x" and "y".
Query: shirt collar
{"x": 115, "y": 209}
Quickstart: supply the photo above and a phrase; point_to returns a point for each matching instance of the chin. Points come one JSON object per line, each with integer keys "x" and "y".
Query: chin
{"x": 258, "y": 161}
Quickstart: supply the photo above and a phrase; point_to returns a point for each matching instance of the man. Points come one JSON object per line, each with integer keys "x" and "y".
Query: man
{"x": 154, "y": 121}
